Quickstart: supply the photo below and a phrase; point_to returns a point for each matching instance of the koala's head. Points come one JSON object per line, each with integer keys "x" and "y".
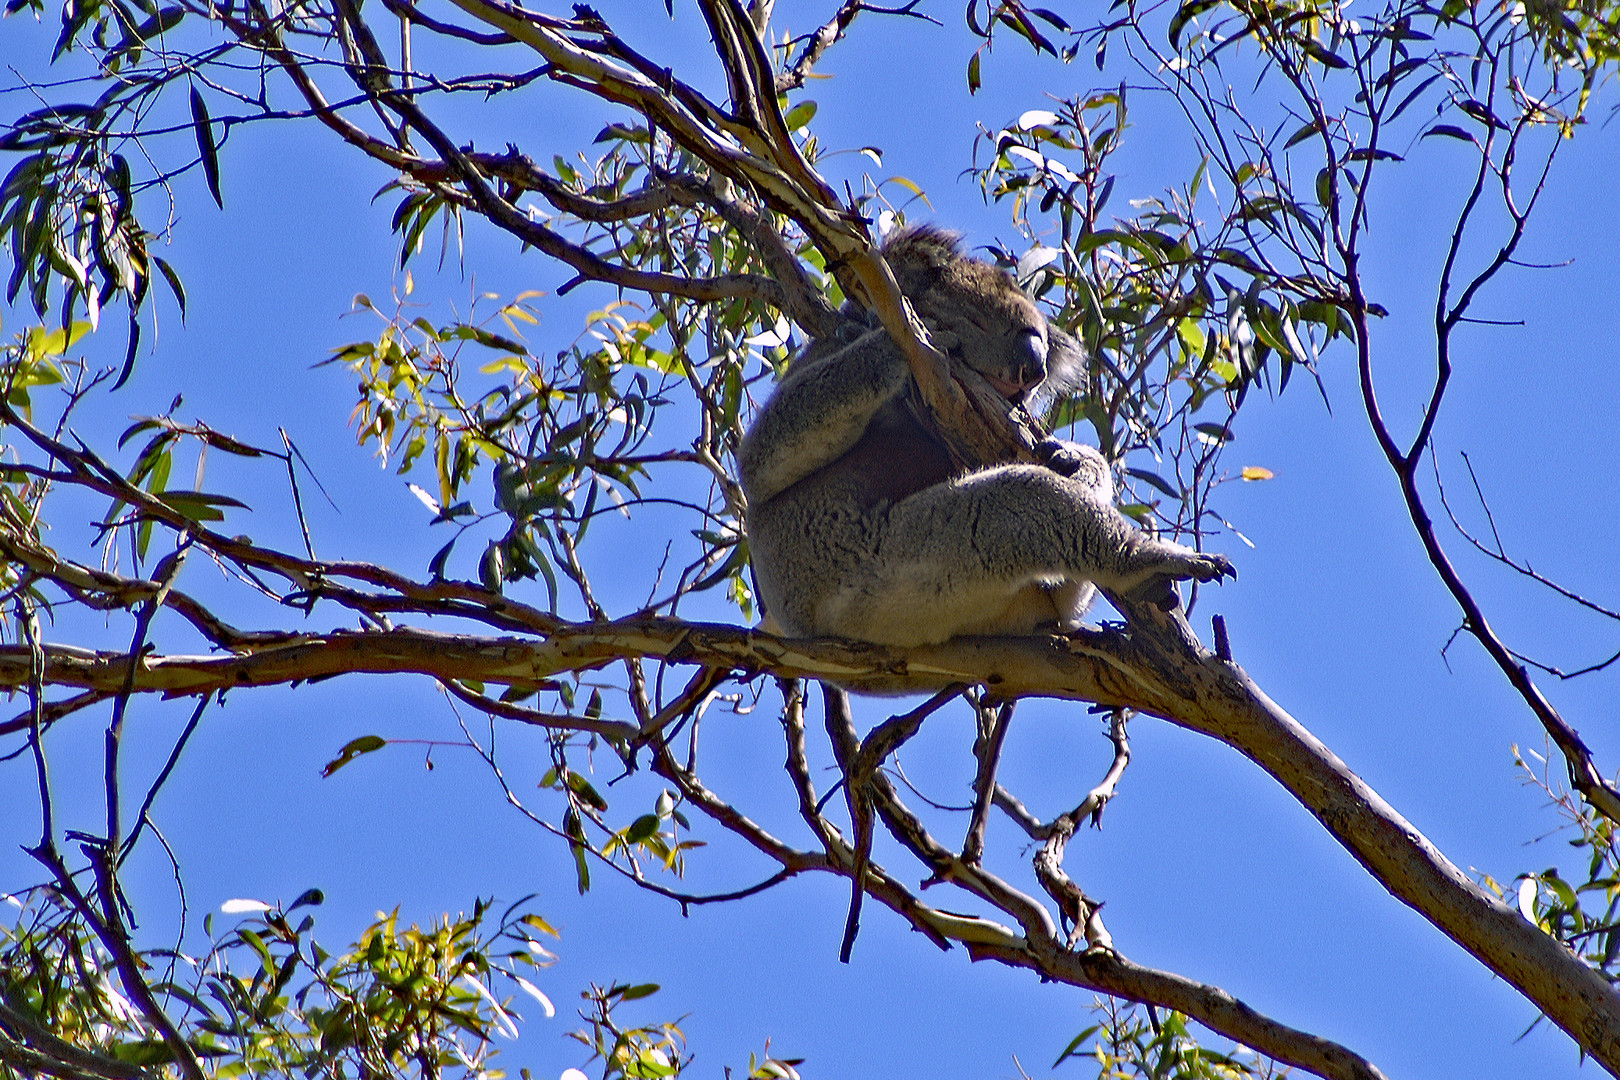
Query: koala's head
{"x": 977, "y": 314}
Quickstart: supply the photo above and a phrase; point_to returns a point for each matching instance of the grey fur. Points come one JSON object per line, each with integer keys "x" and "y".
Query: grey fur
{"x": 861, "y": 527}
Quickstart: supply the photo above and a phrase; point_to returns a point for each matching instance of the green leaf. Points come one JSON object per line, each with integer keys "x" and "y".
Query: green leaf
{"x": 575, "y": 830}
{"x": 1561, "y": 889}
{"x": 1449, "y": 131}
{"x": 144, "y": 424}
{"x": 1372, "y": 154}
{"x": 1074, "y": 1047}
{"x": 1231, "y": 256}
{"x": 539, "y": 924}
{"x": 582, "y": 787}
{"x": 161, "y": 23}
{"x": 175, "y": 285}
{"x": 1186, "y": 14}
{"x": 734, "y": 564}
{"x": 492, "y": 567}
{"x": 198, "y": 505}
{"x": 641, "y": 828}
{"x": 257, "y": 942}
{"x": 144, "y": 1052}
{"x": 1018, "y": 20}
{"x": 1481, "y": 112}
{"x": 1155, "y": 480}
{"x": 621, "y": 131}
{"x": 43, "y": 343}
{"x": 798, "y": 116}
{"x": 640, "y": 990}
{"x": 1302, "y": 134}
{"x": 1318, "y": 52}
{"x": 1093, "y": 240}
{"x": 206, "y": 147}
{"x": 309, "y": 897}
{"x": 365, "y": 744}
{"x": 1192, "y": 336}
{"x": 1049, "y": 16}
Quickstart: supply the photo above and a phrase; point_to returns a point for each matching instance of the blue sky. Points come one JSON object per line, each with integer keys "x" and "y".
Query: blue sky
{"x": 1208, "y": 867}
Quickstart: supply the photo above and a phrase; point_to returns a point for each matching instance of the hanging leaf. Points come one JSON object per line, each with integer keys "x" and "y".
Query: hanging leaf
{"x": 365, "y": 744}
{"x": 206, "y": 147}
{"x": 800, "y": 115}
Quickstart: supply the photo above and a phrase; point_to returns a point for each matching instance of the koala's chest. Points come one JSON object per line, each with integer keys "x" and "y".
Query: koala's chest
{"x": 895, "y": 457}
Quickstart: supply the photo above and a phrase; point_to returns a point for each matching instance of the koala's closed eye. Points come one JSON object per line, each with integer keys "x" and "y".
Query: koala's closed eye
{"x": 860, "y": 525}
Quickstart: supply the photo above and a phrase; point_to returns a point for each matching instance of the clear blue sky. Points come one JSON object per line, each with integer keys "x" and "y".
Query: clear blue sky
{"x": 1207, "y": 866}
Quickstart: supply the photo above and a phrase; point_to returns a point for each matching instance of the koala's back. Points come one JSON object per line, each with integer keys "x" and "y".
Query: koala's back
{"x": 824, "y": 530}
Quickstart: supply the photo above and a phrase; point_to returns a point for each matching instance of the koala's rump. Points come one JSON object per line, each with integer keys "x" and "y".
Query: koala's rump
{"x": 898, "y": 573}
{"x": 805, "y": 542}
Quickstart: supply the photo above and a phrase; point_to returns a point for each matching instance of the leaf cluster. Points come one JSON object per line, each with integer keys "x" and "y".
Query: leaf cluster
{"x": 1131, "y": 1041}
{"x": 1584, "y": 913}
{"x": 267, "y": 998}
{"x": 68, "y": 205}
{"x": 1178, "y": 323}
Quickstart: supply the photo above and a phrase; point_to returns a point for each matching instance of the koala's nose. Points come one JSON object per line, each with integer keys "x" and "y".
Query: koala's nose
{"x": 1029, "y": 366}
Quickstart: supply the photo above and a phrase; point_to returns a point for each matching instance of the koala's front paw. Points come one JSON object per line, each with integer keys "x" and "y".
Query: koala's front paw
{"x": 945, "y": 341}
{"x": 1067, "y": 458}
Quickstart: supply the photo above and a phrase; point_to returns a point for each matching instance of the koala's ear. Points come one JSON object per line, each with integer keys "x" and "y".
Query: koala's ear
{"x": 914, "y": 272}
{"x": 920, "y": 255}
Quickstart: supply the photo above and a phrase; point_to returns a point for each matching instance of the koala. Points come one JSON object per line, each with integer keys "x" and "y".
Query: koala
{"x": 862, "y": 526}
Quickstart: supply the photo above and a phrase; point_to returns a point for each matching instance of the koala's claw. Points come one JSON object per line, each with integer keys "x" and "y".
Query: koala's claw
{"x": 1208, "y": 567}
{"x": 1160, "y": 591}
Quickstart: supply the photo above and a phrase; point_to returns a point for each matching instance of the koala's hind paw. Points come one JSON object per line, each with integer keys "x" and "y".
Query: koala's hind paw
{"x": 1198, "y": 566}
{"x": 1208, "y": 567}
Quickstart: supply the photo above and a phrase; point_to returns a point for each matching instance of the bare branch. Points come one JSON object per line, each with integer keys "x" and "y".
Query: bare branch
{"x": 860, "y": 769}
{"x": 1103, "y": 970}
{"x": 51, "y": 711}
{"x": 612, "y": 729}
{"x": 825, "y": 36}
{"x": 987, "y": 749}
{"x": 1082, "y": 914}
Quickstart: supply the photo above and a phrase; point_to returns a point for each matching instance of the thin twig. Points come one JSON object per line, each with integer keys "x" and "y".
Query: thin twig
{"x": 988, "y": 751}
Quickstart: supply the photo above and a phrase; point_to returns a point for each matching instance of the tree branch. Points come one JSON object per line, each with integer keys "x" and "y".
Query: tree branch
{"x": 1147, "y": 669}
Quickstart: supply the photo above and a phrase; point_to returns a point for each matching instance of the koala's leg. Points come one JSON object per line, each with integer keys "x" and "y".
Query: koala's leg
{"x": 956, "y": 558}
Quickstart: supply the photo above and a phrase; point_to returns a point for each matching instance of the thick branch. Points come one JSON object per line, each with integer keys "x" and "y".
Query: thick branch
{"x": 1150, "y": 668}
